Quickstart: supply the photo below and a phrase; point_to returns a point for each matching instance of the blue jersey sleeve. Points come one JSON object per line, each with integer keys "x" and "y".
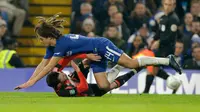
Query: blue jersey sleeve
{"x": 49, "y": 52}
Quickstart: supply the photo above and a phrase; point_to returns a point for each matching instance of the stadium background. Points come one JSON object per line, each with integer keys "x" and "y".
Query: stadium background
{"x": 31, "y": 51}
{"x": 190, "y": 82}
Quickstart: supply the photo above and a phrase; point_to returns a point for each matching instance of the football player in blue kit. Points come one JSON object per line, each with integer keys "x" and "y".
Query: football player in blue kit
{"x": 60, "y": 46}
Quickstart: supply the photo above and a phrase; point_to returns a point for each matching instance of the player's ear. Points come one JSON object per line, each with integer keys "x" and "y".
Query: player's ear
{"x": 50, "y": 38}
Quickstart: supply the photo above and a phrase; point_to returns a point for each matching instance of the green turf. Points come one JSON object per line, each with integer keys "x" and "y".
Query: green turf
{"x": 49, "y": 102}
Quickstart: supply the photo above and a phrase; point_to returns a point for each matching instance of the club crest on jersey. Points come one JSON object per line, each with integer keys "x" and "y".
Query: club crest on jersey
{"x": 69, "y": 53}
{"x": 174, "y": 28}
{"x": 74, "y": 36}
{"x": 72, "y": 92}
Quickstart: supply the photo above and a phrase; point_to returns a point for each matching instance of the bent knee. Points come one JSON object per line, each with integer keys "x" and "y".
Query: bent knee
{"x": 20, "y": 12}
{"x": 104, "y": 86}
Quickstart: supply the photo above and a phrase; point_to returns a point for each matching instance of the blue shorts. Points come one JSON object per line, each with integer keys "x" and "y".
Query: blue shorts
{"x": 109, "y": 52}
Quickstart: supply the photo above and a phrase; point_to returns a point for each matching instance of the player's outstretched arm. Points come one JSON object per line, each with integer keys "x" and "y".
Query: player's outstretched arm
{"x": 66, "y": 60}
{"x": 45, "y": 70}
{"x": 39, "y": 68}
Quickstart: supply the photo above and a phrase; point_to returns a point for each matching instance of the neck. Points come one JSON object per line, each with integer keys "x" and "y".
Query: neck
{"x": 188, "y": 27}
{"x": 167, "y": 13}
{"x": 53, "y": 42}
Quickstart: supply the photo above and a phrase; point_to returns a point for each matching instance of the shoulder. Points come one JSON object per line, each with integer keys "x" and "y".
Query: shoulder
{"x": 13, "y": 51}
{"x": 174, "y": 22}
{"x": 174, "y": 17}
{"x": 188, "y": 63}
{"x": 188, "y": 60}
{"x": 50, "y": 48}
{"x": 73, "y": 36}
{"x": 68, "y": 36}
{"x": 163, "y": 16}
{"x": 62, "y": 40}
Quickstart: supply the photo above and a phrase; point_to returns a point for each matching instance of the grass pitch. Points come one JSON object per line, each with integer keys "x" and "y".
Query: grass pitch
{"x": 49, "y": 102}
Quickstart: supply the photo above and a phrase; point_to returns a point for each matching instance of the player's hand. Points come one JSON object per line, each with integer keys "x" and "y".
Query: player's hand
{"x": 25, "y": 85}
{"x": 74, "y": 65}
{"x": 93, "y": 57}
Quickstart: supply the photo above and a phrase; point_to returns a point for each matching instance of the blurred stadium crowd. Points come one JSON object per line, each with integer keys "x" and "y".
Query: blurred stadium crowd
{"x": 130, "y": 24}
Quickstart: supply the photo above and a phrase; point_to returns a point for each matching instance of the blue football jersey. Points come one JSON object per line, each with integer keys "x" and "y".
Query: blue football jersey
{"x": 71, "y": 44}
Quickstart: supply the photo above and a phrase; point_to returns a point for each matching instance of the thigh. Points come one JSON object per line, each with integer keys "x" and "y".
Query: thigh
{"x": 127, "y": 62}
{"x": 99, "y": 66}
{"x": 99, "y": 70}
{"x": 111, "y": 52}
{"x": 156, "y": 69}
{"x": 102, "y": 81}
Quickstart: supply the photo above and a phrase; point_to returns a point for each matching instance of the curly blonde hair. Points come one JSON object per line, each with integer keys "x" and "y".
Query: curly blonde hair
{"x": 50, "y": 27}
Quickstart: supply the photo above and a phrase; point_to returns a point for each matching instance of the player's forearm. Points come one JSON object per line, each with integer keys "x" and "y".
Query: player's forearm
{"x": 83, "y": 85}
{"x": 66, "y": 60}
{"x": 82, "y": 56}
{"x": 43, "y": 72}
{"x": 46, "y": 69}
{"x": 39, "y": 68}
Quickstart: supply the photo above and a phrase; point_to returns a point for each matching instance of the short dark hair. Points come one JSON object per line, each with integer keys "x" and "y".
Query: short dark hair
{"x": 196, "y": 19}
{"x": 112, "y": 25}
{"x": 8, "y": 41}
{"x": 180, "y": 41}
{"x": 195, "y": 48}
{"x": 52, "y": 79}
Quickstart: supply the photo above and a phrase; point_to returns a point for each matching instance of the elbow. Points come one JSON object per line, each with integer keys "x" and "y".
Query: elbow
{"x": 83, "y": 88}
{"x": 86, "y": 87}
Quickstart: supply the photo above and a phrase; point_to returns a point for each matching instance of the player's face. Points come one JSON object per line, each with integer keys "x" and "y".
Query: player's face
{"x": 143, "y": 31}
{"x": 196, "y": 54}
{"x": 195, "y": 8}
{"x": 169, "y": 6}
{"x": 137, "y": 41}
{"x": 112, "y": 32}
{"x": 188, "y": 19}
{"x": 178, "y": 49}
{"x": 45, "y": 41}
{"x": 88, "y": 28}
{"x": 112, "y": 10}
{"x": 3, "y": 29}
{"x": 196, "y": 27}
{"x": 118, "y": 19}
{"x": 86, "y": 10}
{"x": 62, "y": 77}
{"x": 140, "y": 9}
